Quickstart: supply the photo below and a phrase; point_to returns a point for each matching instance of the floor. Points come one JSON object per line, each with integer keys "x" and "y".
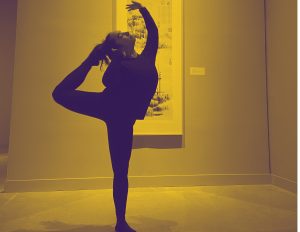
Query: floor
{"x": 236, "y": 208}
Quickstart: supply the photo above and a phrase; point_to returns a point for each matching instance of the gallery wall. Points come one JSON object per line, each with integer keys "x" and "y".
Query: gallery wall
{"x": 282, "y": 90}
{"x": 8, "y": 16}
{"x": 225, "y": 113}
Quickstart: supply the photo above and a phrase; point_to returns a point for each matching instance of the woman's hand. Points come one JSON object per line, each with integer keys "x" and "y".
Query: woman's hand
{"x": 134, "y": 6}
{"x": 95, "y": 55}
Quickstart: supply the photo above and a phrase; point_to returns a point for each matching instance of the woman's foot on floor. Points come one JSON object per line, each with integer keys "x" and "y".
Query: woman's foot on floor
{"x": 123, "y": 227}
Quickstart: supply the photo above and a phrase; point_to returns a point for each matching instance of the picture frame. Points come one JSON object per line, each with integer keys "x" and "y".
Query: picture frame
{"x": 165, "y": 112}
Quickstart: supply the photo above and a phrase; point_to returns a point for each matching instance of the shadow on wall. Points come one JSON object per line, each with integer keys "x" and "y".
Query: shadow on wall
{"x": 140, "y": 224}
{"x": 157, "y": 141}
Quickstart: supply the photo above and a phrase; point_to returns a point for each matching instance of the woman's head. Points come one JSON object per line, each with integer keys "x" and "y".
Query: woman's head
{"x": 121, "y": 40}
{"x": 116, "y": 43}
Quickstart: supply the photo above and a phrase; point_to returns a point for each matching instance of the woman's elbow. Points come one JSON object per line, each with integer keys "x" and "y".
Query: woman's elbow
{"x": 154, "y": 30}
{"x": 155, "y": 33}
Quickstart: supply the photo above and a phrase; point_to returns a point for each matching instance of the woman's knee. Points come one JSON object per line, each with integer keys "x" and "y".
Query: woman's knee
{"x": 121, "y": 175}
{"x": 58, "y": 96}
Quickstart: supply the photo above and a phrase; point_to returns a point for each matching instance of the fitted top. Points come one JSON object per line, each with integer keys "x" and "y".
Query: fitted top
{"x": 132, "y": 82}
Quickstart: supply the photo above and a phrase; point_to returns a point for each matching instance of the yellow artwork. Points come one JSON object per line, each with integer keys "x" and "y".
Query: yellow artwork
{"x": 164, "y": 114}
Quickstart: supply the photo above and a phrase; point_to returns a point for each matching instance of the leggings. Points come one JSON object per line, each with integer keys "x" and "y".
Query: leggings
{"x": 119, "y": 128}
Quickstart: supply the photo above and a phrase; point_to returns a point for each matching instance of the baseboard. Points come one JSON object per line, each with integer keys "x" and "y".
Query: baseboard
{"x": 284, "y": 183}
{"x": 42, "y": 185}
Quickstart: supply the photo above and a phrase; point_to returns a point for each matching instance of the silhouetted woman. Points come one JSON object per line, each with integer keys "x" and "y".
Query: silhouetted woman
{"x": 130, "y": 80}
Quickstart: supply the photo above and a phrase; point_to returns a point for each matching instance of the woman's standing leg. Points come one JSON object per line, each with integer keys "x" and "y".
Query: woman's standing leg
{"x": 120, "y": 136}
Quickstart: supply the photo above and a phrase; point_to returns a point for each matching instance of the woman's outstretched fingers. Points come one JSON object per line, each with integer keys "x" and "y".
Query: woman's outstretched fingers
{"x": 137, "y": 3}
{"x": 134, "y": 6}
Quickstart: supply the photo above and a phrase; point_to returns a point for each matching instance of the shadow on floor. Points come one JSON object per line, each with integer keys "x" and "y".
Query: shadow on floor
{"x": 57, "y": 226}
{"x": 139, "y": 223}
{"x": 152, "y": 224}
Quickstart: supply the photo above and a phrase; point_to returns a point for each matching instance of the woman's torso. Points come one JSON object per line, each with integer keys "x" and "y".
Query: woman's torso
{"x": 131, "y": 83}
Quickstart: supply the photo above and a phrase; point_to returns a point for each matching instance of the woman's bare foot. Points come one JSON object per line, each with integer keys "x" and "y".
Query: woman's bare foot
{"x": 123, "y": 227}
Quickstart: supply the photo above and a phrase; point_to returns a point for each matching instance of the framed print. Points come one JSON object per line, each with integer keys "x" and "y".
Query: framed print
{"x": 165, "y": 112}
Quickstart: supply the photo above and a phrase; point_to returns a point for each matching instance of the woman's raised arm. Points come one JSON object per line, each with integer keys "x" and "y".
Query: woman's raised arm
{"x": 152, "y": 39}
